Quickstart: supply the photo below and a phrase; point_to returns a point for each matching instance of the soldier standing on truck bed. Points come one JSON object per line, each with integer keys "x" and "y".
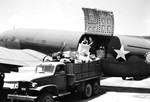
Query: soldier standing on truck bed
{"x": 58, "y": 55}
{"x": 85, "y": 41}
{"x": 100, "y": 52}
{"x": 92, "y": 45}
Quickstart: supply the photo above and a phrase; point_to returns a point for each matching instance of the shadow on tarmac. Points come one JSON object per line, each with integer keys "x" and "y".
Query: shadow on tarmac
{"x": 125, "y": 89}
{"x": 78, "y": 97}
{"x": 104, "y": 89}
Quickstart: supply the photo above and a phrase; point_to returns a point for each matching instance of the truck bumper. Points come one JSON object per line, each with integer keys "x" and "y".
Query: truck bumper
{"x": 21, "y": 97}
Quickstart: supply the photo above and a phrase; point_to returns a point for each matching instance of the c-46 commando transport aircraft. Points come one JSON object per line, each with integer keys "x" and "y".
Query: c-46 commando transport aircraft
{"x": 125, "y": 56}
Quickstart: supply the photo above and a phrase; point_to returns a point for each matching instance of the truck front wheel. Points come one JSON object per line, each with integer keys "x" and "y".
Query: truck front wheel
{"x": 88, "y": 90}
{"x": 46, "y": 97}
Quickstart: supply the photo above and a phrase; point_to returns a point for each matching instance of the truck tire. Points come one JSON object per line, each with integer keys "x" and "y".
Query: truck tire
{"x": 88, "y": 90}
{"x": 46, "y": 97}
{"x": 95, "y": 87}
{"x": 123, "y": 78}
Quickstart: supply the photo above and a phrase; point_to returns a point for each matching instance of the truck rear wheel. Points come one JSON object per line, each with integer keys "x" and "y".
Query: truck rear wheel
{"x": 95, "y": 87}
{"x": 47, "y": 97}
{"x": 88, "y": 90}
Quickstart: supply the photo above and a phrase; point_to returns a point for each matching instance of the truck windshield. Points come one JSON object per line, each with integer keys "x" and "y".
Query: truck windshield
{"x": 45, "y": 68}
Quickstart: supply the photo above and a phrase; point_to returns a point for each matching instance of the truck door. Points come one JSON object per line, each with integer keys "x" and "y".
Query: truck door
{"x": 60, "y": 77}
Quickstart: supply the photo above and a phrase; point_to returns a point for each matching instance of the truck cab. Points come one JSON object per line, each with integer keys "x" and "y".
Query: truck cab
{"x": 58, "y": 74}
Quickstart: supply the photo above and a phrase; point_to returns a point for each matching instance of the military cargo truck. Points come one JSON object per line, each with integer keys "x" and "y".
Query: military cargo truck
{"x": 54, "y": 79}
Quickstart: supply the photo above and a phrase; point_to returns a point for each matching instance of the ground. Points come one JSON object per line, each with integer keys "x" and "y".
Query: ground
{"x": 115, "y": 90}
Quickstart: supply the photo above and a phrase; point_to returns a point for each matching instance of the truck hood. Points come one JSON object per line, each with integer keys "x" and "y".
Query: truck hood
{"x": 26, "y": 76}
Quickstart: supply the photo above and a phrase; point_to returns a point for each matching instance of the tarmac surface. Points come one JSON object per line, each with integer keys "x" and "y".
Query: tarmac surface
{"x": 114, "y": 90}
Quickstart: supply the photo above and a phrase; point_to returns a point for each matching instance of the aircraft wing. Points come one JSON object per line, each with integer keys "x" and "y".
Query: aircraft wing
{"x": 10, "y": 59}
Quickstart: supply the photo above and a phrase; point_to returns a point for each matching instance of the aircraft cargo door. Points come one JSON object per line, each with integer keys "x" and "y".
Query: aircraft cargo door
{"x": 98, "y": 22}
{"x": 99, "y": 28}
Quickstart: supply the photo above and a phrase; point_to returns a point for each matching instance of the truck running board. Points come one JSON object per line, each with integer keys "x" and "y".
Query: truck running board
{"x": 21, "y": 97}
{"x": 63, "y": 94}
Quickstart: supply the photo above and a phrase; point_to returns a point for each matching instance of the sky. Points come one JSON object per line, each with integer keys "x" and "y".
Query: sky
{"x": 132, "y": 17}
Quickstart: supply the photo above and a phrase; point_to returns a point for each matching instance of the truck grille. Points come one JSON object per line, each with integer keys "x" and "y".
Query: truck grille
{"x": 24, "y": 87}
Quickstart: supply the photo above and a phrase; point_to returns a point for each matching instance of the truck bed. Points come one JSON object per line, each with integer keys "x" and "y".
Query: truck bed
{"x": 82, "y": 71}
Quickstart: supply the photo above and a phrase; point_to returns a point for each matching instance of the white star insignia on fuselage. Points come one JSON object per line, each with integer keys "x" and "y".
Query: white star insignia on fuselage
{"x": 121, "y": 53}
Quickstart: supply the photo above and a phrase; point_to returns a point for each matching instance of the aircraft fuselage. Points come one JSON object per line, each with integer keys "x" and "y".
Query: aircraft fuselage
{"x": 43, "y": 40}
{"x": 125, "y": 55}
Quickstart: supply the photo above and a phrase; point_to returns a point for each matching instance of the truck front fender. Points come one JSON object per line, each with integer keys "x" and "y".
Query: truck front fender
{"x": 48, "y": 88}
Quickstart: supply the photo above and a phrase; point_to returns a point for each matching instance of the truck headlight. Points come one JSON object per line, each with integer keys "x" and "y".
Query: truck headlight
{"x": 34, "y": 84}
{"x": 16, "y": 85}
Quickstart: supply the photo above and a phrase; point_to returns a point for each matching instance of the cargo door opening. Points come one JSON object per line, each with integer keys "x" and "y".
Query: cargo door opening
{"x": 100, "y": 43}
